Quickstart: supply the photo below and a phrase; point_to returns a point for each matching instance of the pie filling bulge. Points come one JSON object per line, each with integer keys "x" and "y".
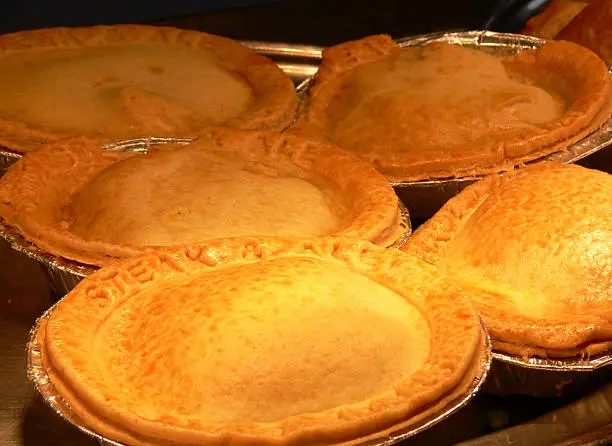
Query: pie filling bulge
{"x": 436, "y": 97}
{"x": 188, "y": 195}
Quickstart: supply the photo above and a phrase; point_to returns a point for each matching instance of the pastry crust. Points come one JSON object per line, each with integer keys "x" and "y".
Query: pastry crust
{"x": 272, "y": 106}
{"x": 553, "y": 18}
{"x": 77, "y": 360}
{"x": 586, "y": 22}
{"x": 534, "y": 250}
{"x": 592, "y": 28}
{"x": 40, "y": 193}
{"x": 407, "y": 144}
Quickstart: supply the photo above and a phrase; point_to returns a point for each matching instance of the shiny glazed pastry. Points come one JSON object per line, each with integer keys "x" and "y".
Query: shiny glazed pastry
{"x": 85, "y": 203}
{"x": 272, "y": 342}
{"x": 127, "y": 81}
{"x": 588, "y": 23}
{"x": 443, "y": 110}
{"x": 533, "y": 249}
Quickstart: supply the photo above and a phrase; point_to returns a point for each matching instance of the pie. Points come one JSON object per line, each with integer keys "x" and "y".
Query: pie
{"x": 553, "y": 18}
{"x": 128, "y": 81}
{"x": 267, "y": 342}
{"x": 592, "y": 28}
{"x": 533, "y": 249}
{"x": 443, "y": 111}
{"x": 588, "y": 23}
{"x": 84, "y": 203}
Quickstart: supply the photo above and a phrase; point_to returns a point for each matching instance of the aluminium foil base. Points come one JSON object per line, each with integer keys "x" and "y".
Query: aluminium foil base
{"x": 513, "y": 375}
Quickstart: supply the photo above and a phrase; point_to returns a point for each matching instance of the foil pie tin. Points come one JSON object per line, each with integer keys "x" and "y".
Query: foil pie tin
{"x": 425, "y": 197}
{"x": 64, "y": 273}
{"x": 542, "y": 377}
{"x": 39, "y": 377}
{"x": 7, "y": 159}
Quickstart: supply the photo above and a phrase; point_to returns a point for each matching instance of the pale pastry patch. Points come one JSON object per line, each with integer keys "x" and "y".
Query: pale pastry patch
{"x": 186, "y": 196}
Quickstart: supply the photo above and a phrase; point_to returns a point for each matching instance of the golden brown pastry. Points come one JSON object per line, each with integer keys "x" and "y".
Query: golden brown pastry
{"x": 592, "y": 28}
{"x": 267, "y": 342}
{"x": 443, "y": 110}
{"x": 553, "y": 18}
{"x": 126, "y": 81}
{"x": 533, "y": 248}
{"x": 588, "y": 23}
{"x": 92, "y": 205}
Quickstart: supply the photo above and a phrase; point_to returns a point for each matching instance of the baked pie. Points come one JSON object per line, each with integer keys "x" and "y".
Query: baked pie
{"x": 442, "y": 110}
{"x": 127, "y": 81}
{"x": 267, "y": 342}
{"x": 533, "y": 249}
{"x": 592, "y": 28}
{"x": 588, "y": 23}
{"x": 553, "y": 18}
{"x": 79, "y": 201}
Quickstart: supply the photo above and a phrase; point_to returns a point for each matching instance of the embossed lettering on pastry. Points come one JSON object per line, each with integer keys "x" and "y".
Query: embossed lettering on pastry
{"x": 534, "y": 249}
{"x": 262, "y": 342}
{"x": 445, "y": 111}
{"x": 127, "y": 81}
{"x": 76, "y": 200}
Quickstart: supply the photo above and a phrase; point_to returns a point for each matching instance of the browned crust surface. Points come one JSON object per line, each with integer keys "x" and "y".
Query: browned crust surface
{"x": 275, "y": 98}
{"x": 592, "y": 28}
{"x": 577, "y": 333}
{"x": 568, "y": 69}
{"x": 553, "y": 18}
{"x": 456, "y": 357}
{"x": 35, "y": 189}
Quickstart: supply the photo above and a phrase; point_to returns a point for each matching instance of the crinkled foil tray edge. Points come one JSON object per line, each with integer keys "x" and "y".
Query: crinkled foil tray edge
{"x": 556, "y": 365}
{"x": 37, "y": 374}
{"x": 7, "y": 159}
{"x": 76, "y": 271}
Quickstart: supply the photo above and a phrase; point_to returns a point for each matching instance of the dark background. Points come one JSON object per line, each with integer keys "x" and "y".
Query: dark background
{"x": 319, "y": 22}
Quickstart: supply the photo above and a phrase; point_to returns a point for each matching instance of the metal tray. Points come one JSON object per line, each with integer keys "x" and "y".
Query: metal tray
{"x": 37, "y": 374}
{"x": 7, "y": 159}
{"x": 541, "y": 377}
